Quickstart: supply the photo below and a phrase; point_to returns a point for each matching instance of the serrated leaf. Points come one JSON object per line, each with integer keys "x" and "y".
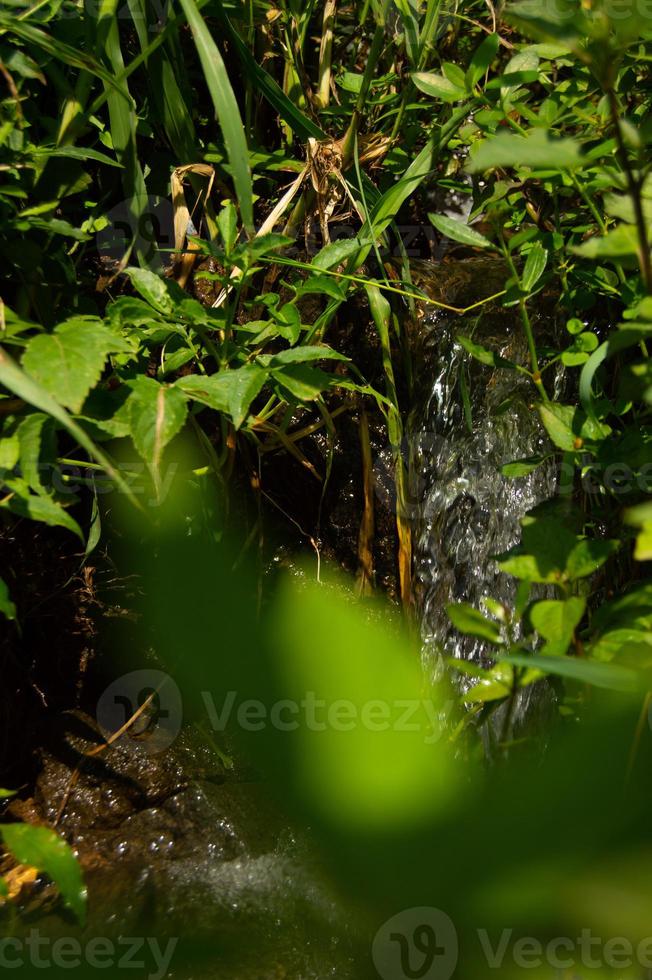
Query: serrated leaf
{"x": 458, "y": 231}
{"x": 157, "y": 413}
{"x": 21, "y": 384}
{"x": 231, "y": 392}
{"x": 30, "y": 438}
{"x": 69, "y": 361}
{"x": 42, "y": 848}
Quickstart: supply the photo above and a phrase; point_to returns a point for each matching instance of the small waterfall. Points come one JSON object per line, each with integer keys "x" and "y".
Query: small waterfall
{"x": 470, "y": 419}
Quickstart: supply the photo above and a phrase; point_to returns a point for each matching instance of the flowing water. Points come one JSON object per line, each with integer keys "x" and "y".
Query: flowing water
{"x": 469, "y": 420}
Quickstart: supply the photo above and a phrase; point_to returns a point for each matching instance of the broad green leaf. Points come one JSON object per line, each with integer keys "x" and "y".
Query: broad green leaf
{"x": 438, "y": 86}
{"x": 395, "y": 775}
{"x": 610, "y": 676}
{"x": 550, "y": 552}
{"x": 230, "y": 391}
{"x": 616, "y": 244}
{"x": 632, "y": 644}
{"x": 21, "y": 384}
{"x": 303, "y": 382}
{"x": 459, "y": 231}
{"x": 157, "y": 412}
{"x": 42, "y": 848}
{"x": 69, "y": 361}
{"x": 559, "y": 422}
{"x": 468, "y": 620}
{"x": 7, "y": 608}
{"x": 536, "y": 149}
{"x": 226, "y": 110}
{"x": 495, "y": 686}
{"x": 152, "y": 288}
{"x": 535, "y": 266}
{"x": 555, "y": 620}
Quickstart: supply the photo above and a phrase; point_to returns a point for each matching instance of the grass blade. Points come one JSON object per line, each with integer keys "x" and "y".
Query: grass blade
{"x": 226, "y": 110}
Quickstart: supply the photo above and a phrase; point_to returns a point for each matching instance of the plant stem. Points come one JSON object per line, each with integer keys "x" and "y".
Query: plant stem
{"x": 634, "y": 187}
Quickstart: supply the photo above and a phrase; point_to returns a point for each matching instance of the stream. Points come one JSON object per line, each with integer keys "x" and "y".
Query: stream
{"x": 180, "y": 844}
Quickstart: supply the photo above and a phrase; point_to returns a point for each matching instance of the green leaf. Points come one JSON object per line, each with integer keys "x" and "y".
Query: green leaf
{"x": 522, "y": 467}
{"x": 550, "y": 552}
{"x": 633, "y": 644}
{"x": 336, "y": 252}
{"x": 75, "y": 153}
{"x": 303, "y": 382}
{"x": 484, "y": 355}
{"x": 323, "y": 641}
{"x": 482, "y": 59}
{"x": 559, "y": 422}
{"x": 458, "y": 231}
{"x": 42, "y": 848}
{"x": 40, "y": 508}
{"x": 152, "y": 288}
{"x": 610, "y": 676}
{"x": 299, "y": 355}
{"x": 69, "y": 362}
{"x": 230, "y": 391}
{"x": 634, "y": 608}
{"x": 470, "y": 621}
{"x": 157, "y": 413}
{"x": 556, "y": 620}
{"x": 226, "y": 110}
{"x": 616, "y": 244}
{"x": 301, "y": 125}
{"x": 30, "y": 433}
{"x": 535, "y": 265}
{"x": 7, "y": 608}
{"x": 25, "y": 387}
{"x": 494, "y": 687}
{"x": 641, "y": 517}
{"x": 536, "y": 150}
{"x": 438, "y": 86}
